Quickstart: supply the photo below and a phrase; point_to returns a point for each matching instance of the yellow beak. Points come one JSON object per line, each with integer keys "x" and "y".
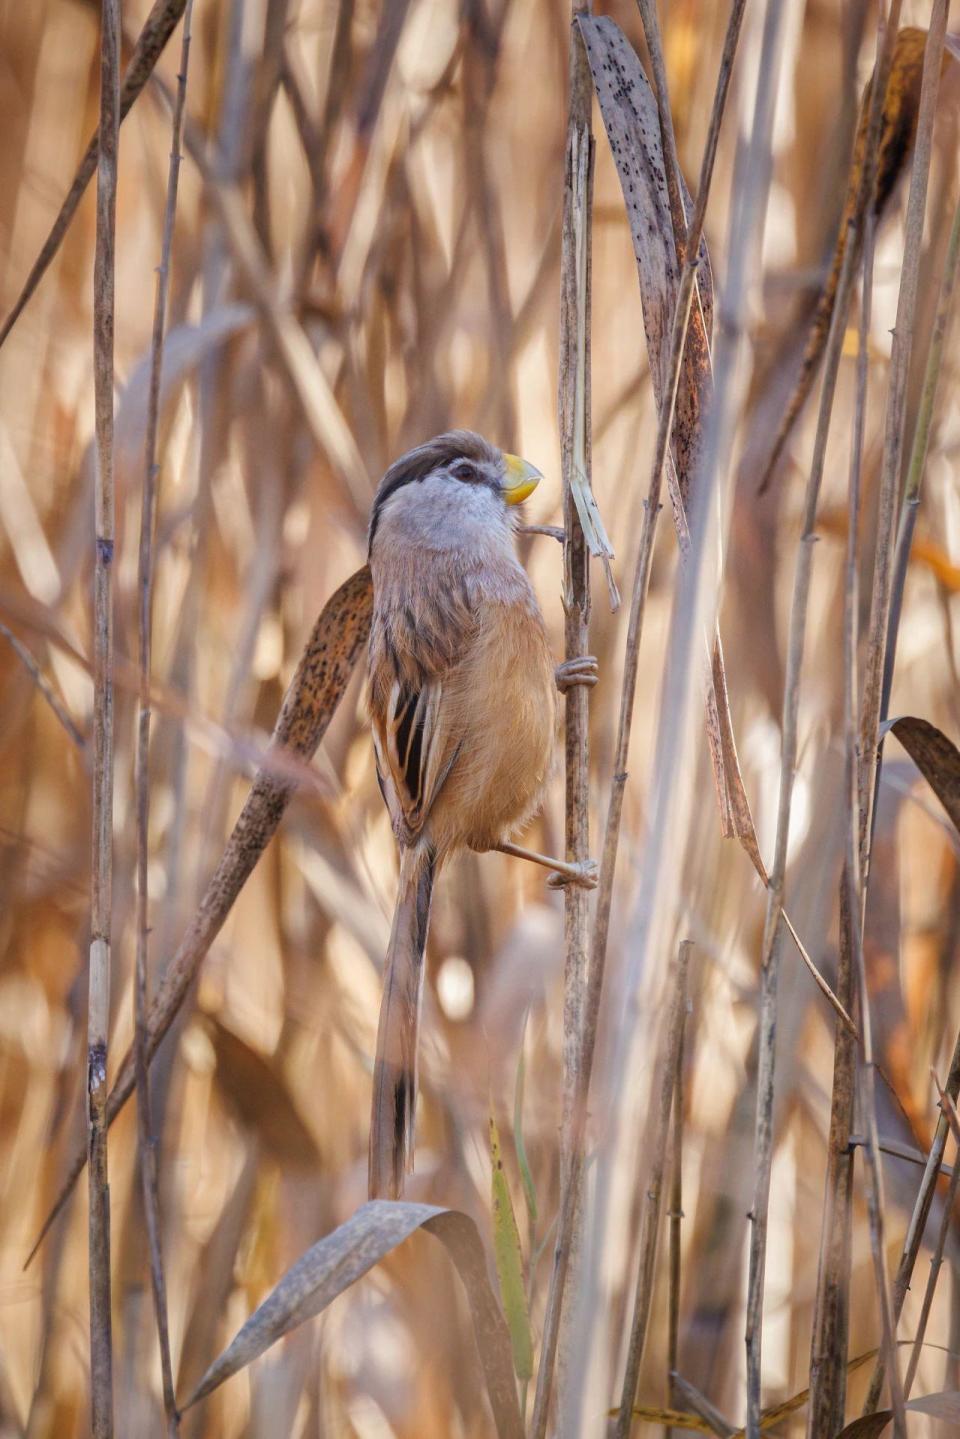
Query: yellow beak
{"x": 520, "y": 479}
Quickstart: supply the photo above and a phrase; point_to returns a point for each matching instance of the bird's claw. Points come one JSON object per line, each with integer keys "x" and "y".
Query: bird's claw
{"x": 582, "y": 670}
{"x": 585, "y": 874}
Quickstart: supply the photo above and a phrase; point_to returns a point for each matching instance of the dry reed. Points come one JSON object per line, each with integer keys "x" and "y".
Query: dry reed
{"x": 392, "y": 218}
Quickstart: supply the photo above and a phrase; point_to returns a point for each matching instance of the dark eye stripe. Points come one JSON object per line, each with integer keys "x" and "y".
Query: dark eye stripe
{"x": 445, "y": 451}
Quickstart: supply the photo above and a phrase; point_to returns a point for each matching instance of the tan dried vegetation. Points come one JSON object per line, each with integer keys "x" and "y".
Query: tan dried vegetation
{"x": 390, "y": 222}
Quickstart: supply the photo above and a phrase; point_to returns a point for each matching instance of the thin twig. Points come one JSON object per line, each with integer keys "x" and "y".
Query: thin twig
{"x": 918, "y": 1219}
{"x": 650, "y": 1223}
{"x": 45, "y": 687}
{"x": 675, "y": 1216}
{"x": 700, "y": 1405}
{"x": 949, "y": 1109}
{"x": 893, "y": 440}
{"x": 325, "y": 667}
{"x": 147, "y": 1143}
{"x": 852, "y": 905}
{"x": 828, "y": 1345}
{"x": 871, "y": 707}
{"x": 157, "y": 29}
{"x": 901, "y": 1151}
{"x": 828, "y": 1340}
{"x": 918, "y": 457}
{"x": 574, "y": 412}
{"x": 98, "y": 1017}
{"x": 299, "y": 363}
{"x": 773, "y": 925}
{"x": 601, "y": 927}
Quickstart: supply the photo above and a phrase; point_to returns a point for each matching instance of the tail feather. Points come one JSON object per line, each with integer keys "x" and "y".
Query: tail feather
{"x": 395, "y": 1069}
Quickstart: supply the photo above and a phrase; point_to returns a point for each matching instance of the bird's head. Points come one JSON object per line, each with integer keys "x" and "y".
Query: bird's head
{"x": 455, "y": 480}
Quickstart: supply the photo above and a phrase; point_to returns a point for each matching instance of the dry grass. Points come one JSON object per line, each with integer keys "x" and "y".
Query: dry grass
{"x": 367, "y": 249}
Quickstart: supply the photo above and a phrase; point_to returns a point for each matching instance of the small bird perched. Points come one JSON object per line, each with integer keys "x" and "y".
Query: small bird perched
{"x": 462, "y": 697}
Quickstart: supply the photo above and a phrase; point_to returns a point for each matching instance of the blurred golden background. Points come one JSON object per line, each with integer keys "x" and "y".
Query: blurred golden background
{"x": 395, "y": 171}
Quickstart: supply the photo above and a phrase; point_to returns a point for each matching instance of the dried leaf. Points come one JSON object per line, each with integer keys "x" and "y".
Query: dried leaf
{"x": 778, "y": 1412}
{"x": 184, "y": 348}
{"x": 936, "y": 757}
{"x": 901, "y": 109}
{"x": 509, "y": 1261}
{"x": 629, "y": 111}
{"x": 945, "y": 1405}
{"x": 341, "y": 1258}
{"x": 258, "y": 1091}
{"x": 320, "y": 406}
{"x": 736, "y": 810}
{"x": 868, "y": 1426}
{"x": 674, "y": 1418}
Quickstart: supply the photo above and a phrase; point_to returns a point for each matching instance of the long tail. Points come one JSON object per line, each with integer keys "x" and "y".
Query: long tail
{"x": 395, "y": 1070}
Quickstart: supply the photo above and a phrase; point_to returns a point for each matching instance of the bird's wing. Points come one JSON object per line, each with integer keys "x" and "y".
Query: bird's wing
{"x": 414, "y": 752}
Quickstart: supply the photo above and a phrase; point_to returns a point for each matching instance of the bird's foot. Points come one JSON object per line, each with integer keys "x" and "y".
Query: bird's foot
{"x": 585, "y": 874}
{"x": 582, "y": 872}
{"x": 582, "y": 670}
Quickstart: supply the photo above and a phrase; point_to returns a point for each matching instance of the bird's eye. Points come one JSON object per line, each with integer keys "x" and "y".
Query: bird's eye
{"x": 463, "y": 470}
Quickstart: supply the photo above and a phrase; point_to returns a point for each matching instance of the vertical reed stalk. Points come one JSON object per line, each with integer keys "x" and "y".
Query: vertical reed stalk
{"x": 949, "y": 1109}
{"x": 894, "y": 433}
{"x": 650, "y": 1223}
{"x": 98, "y": 1017}
{"x": 675, "y": 1215}
{"x": 601, "y": 926}
{"x": 574, "y": 414}
{"x": 828, "y": 1344}
{"x": 918, "y": 455}
{"x": 147, "y": 1139}
{"x": 871, "y": 709}
{"x": 918, "y": 1219}
{"x": 773, "y": 924}
{"x": 831, "y": 1315}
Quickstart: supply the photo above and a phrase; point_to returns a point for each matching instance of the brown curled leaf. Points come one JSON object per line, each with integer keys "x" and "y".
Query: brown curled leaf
{"x": 256, "y": 1089}
{"x": 945, "y": 1406}
{"x": 868, "y": 1426}
{"x": 936, "y": 757}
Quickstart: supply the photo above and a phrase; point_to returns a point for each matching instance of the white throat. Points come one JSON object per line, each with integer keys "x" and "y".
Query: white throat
{"x": 444, "y": 514}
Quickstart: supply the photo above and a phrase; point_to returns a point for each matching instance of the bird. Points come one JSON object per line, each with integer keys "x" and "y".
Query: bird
{"x": 462, "y": 697}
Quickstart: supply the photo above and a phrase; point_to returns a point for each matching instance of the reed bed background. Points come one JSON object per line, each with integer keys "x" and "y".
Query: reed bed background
{"x": 366, "y": 251}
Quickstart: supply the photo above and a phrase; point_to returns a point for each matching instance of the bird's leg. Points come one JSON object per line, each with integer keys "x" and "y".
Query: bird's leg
{"x": 582, "y": 670}
{"x": 585, "y": 873}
